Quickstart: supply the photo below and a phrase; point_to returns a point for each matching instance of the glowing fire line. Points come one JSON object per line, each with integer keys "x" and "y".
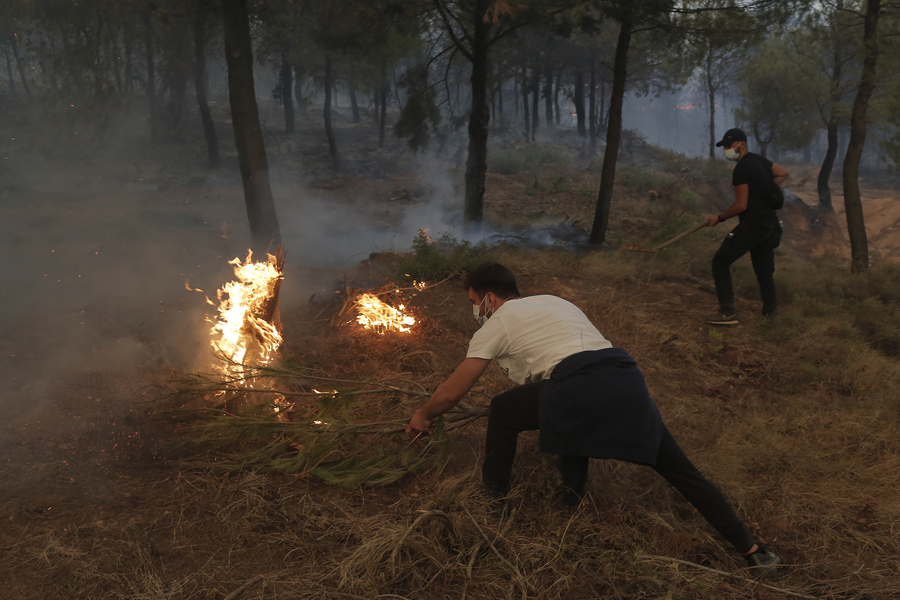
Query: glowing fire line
{"x": 382, "y": 317}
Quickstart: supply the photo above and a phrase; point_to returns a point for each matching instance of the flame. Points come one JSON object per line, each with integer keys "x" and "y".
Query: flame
{"x": 375, "y": 314}
{"x": 244, "y": 330}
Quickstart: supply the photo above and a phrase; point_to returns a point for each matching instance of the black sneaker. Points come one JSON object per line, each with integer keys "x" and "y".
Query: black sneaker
{"x": 763, "y": 563}
{"x": 723, "y": 319}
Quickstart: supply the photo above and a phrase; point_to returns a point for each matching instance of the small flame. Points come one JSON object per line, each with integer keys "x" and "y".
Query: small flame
{"x": 244, "y": 331}
{"x": 382, "y": 317}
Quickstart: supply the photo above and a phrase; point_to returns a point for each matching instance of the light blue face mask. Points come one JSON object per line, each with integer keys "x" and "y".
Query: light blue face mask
{"x": 476, "y": 310}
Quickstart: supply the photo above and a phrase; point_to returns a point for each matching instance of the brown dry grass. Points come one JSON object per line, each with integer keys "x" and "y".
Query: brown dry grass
{"x": 811, "y": 461}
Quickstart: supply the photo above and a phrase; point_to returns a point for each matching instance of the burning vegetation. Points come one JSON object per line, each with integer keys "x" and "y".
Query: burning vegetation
{"x": 247, "y": 330}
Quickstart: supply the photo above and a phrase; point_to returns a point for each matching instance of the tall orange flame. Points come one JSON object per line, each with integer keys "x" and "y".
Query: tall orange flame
{"x": 245, "y": 330}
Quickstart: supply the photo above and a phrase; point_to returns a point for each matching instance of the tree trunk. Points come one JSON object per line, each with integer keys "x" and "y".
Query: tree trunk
{"x": 298, "y": 91}
{"x": 9, "y": 71}
{"x": 382, "y": 117}
{"x": 604, "y": 114}
{"x": 479, "y": 120}
{"x": 354, "y": 106}
{"x": 129, "y": 76}
{"x": 711, "y": 98}
{"x": 535, "y": 100}
{"x": 556, "y": 96}
{"x": 592, "y": 105}
{"x": 151, "y": 74}
{"x": 209, "y": 128}
{"x": 578, "y": 100}
{"x": 287, "y": 92}
{"x": 822, "y": 185}
{"x": 329, "y": 131}
{"x": 264, "y": 232}
{"x": 856, "y": 227}
{"x": 525, "y": 103}
{"x": 13, "y": 42}
{"x": 548, "y": 96}
{"x": 500, "y": 99}
{"x": 613, "y": 135}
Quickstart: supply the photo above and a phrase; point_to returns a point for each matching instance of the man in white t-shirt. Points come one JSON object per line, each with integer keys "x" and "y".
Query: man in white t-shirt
{"x": 586, "y": 398}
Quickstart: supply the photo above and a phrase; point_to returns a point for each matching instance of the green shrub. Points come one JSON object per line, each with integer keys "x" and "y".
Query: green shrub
{"x": 689, "y": 201}
{"x": 529, "y": 158}
{"x": 639, "y": 179}
{"x": 433, "y": 261}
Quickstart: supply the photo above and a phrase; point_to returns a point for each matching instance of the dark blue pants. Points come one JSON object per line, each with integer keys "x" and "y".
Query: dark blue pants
{"x": 517, "y": 410}
{"x": 760, "y": 240}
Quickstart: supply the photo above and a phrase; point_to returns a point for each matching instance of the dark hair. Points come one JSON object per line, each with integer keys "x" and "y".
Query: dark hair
{"x": 494, "y": 278}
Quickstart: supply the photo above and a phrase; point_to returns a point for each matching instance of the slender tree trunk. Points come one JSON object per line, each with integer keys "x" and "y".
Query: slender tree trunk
{"x": 14, "y": 44}
{"x": 856, "y": 227}
{"x": 535, "y": 100}
{"x": 287, "y": 92}
{"x": 354, "y": 106}
{"x": 525, "y": 103}
{"x": 500, "y": 99}
{"x": 515, "y": 95}
{"x": 479, "y": 119}
{"x": 822, "y": 185}
{"x": 9, "y": 71}
{"x": 578, "y": 100}
{"x": 592, "y": 104}
{"x": 604, "y": 114}
{"x": 711, "y": 98}
{"x": 151, "y": 74}
{"x": 129, "y": 76}
{"x": 613, "y": 135}
{"x": 298, "y": 91}
{"x": 209, "y": 128}
{"x": 248, "y": 138}
{"x": 548, "y": 96}
{"x": 559, "y": 73}
{"x": 382, "y": 117}
{"x": 329, "y": 132}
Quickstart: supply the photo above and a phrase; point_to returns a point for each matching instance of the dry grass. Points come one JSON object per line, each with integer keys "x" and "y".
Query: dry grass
{"x": 800, "y": 433}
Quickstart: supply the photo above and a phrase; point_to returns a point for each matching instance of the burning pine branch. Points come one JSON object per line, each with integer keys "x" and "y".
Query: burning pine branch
{"x": 247, "y": 329}
{"x": 374, "y": 313}
{"x": 298, "y": 421}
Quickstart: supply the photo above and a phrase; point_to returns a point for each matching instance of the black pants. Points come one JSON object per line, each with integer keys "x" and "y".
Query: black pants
{"x": 760, "y": 240}
{"x": 517, "y": 410}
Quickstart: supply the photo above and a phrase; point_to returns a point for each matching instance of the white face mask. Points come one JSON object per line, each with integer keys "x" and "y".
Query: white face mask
{"x": 732, "y": 154}
{"x": 476, "y": 310}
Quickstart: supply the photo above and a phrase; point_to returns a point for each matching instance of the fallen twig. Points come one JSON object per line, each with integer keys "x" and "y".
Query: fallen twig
{"x": 522, "y": 581}
{"x": 243, "y": 588}
{"x": 731, "y": 575}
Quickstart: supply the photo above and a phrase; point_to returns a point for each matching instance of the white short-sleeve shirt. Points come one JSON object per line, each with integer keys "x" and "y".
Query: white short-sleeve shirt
{"x": 529, "y": 336}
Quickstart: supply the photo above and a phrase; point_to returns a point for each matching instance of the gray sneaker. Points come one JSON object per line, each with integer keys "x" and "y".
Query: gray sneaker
{"x": 723, "y": 319}
{"x": 763, "y": 563}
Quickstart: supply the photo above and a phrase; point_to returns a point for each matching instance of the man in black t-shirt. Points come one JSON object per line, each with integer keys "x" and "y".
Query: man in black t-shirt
{"x": 758, "y": 231}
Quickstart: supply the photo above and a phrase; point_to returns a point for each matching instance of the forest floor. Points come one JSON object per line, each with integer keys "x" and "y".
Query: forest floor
{"x": 794, "y": 418}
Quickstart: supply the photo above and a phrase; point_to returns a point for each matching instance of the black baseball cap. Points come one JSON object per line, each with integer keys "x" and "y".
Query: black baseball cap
{"x": 731, "y": 136}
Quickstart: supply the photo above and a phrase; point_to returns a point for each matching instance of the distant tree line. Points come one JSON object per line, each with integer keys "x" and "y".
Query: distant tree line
{"x": 476, "y": 68}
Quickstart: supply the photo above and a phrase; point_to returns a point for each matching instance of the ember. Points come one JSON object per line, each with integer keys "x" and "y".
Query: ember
{"x": 382, "y": 317}
{"x": 246, "y": 330}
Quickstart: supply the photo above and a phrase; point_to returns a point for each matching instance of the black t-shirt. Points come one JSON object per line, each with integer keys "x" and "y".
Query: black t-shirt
{"x": 755, "y": 171}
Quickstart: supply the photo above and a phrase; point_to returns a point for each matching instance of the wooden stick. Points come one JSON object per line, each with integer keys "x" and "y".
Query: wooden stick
{"x": 243, "y": 588}
{"x": 680, "y": 236}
